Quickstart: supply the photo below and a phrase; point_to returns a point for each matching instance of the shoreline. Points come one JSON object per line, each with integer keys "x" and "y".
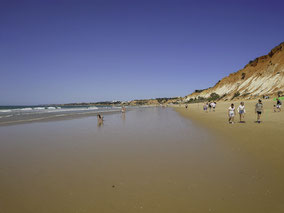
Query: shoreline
{"x": 51, "y": 118}
{"x": 59, "y": 117}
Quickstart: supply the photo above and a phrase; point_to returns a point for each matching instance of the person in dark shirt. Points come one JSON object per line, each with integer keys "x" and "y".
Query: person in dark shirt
{"x": 259, "y": 110}
{"x": 278, "y": 105}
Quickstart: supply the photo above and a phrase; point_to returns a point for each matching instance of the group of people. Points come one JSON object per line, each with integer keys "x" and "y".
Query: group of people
{"x": 258, "y": 110}
{"x": 241, "y": 110}
{"x": 101, "y": 118}
{"x": 232, "y": 111}
{"x": 208, "y": 106}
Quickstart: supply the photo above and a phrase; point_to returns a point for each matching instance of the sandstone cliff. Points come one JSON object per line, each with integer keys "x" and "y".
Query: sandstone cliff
{"x": 262, "y": 76}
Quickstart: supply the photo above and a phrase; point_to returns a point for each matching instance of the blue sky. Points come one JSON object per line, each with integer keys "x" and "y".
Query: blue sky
{"x": 71, "y": 51}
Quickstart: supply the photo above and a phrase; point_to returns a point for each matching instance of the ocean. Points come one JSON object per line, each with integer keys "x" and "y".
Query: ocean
{"x": 20, "y": 114}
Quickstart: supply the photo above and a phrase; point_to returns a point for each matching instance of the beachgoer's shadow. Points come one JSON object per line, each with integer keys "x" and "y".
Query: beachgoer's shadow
{"x": 123, "y": 116}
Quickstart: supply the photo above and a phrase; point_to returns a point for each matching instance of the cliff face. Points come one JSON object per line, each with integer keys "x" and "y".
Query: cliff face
{"x": 143, "y": 102}
{"x": 157, "y": 101}
{"x": 263, "y": 76}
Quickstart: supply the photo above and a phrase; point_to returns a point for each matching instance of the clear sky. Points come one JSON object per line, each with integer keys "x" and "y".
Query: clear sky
{"x": 76, "y": 50}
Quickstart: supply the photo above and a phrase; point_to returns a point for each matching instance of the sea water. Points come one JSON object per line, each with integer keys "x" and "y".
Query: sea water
{"x": 20, "y": 114}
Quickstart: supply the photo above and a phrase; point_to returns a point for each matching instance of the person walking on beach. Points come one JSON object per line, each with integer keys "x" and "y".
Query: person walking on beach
{"x": 258, "y": 110}
{"x": 242, "y": 111}
{"x": 278, "y": 105}
{"x": 213, "y": 104}
{"x": 231, "y": 114}
{"x": 210, "y": 106}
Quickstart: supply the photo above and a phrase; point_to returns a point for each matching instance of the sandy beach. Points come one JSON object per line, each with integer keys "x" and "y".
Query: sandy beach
{"x": 146, "y": 160}
{"x": 264, "y": 140}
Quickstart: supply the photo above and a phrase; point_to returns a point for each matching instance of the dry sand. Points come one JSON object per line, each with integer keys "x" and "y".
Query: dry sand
{"x": 265, "y": 141}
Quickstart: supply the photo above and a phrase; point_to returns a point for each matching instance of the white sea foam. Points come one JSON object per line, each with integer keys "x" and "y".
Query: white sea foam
{"x": 39, "y": 108}
{"x": 6, "y": 116}
{"x": 51, "y": 107}
{"x": 5, "y": 110}
{"x": 92, "y": 108}
{"x": 59, "y": 115}
{"x": 25, "y": 109}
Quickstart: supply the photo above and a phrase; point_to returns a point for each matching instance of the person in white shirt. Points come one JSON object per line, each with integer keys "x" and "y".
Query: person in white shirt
{"x": 231, "y": 114}
{"x": 209, "y": 106}
{"x": 242, "y": 111}
{"x": 213, "y": 104}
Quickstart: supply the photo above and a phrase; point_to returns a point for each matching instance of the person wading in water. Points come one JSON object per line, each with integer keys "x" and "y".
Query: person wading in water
{"x": 100, "y": 119}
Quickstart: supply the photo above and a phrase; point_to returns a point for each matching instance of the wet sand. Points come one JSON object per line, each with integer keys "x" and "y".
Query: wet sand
{"x": 148, "y": 160}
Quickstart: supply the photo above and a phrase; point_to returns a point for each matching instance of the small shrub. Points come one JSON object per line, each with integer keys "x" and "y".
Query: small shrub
{"x": 201, "y": 98}
{"x": 236, "y": 95}
{"x": 214, "y": 96}
{"x": 246, "y": 94}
